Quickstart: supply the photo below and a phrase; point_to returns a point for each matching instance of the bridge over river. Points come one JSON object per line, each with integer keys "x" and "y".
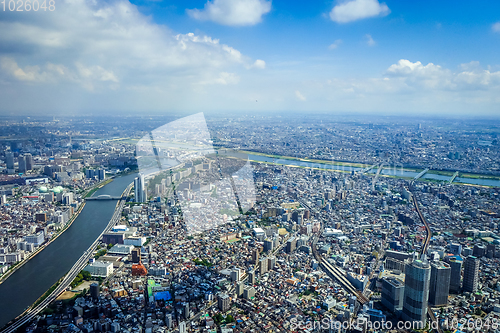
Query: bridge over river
{"x": 105, "y": 197}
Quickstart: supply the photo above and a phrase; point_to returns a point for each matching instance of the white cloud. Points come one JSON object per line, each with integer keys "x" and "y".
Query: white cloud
{"x": 369, "y": 40}
{"x": 299, "y": 96}
{"x": 49, "y": 73}
{"x": 112, "y": 44}
{"x": 354, "y": 10}
{"x": 232, "y": 12}
{"x": 405, "y": 67}
{"x": 224, "y": 78}
{"x": 335, "y": 44}
{"x": 469, "y": 77}
{"x": 260, "y": 64}
{"x": 496, "y": 27}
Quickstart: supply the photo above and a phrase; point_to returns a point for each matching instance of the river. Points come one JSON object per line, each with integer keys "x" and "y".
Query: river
{"x": 35, "y": 277}
{"x": 395, "y": 171}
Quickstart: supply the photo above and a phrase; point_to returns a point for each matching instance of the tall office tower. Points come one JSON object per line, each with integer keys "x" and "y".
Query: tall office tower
{"x": 251, "y": 277}
{"x": 168, "y": 320}
{"x": 9, "y": 160}
{"x": 139, "y": 191}
{"x": 21, "y": 161}
{"x": 471, "y": 274}
{"x": 94, "y": 291}
{"x": 136, "y": 255}
{"x": 224, "y": 302}
{"x": 440, "y": 283}
{"x": 186, "y": 310}
{"x": 182, "y": 327}
{"x": 491, "y": 251}
{"x": 67, "y": 198}
{"x": 479, "y": 251}
{"x": 456, "y": 274}
{"x": 29, "y": 161}
{"x": 291, "y": 245}
{"x": 255, "y": 256}
{"x": 235, "y": 274}
{"x": 417, "y": 281}
{"x": 248, "y": 292}
{"x": 392, "y": 294}
{"x": 271, "y": 262}
{"x": 456, "y": 249}
{"x": 268, "y": 245}
{"x": 101, "y": 174}
{"x": 263, "y": 266}
{"x": 239, "y": 288}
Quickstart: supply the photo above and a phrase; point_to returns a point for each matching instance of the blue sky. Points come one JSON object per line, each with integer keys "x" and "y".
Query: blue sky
{"x": 368, "y": 56}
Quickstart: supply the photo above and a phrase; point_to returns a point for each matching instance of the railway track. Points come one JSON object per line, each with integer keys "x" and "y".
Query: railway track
{"x": 430, "y": 314}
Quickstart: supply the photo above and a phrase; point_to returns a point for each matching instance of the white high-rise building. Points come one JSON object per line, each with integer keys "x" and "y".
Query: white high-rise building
{"x": 139, "y": 189}
{"x": 182, "y": 327}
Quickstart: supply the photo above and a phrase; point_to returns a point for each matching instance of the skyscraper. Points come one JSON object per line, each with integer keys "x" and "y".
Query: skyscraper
{"x": 251, "y": 277}
{"x": 94, "y": 291}
{"x": 290, "y": 245}
{"x": 440, "y": 283}
{"x": 392, "y": 294}
{"x": 263, "y": 266}
{"x": 224, "y": 302}
{"x": 417, "y": 281}
{"x": 456, "y": 274}
{"x": 101, "y": 173}
{"x": 182, "y": 327}
{"x": 139, "y": 192}
{"x": 268, "y": 245}
{"x": 255, "y": 256}
{"x": 235, "y": 274}
{"x": 471, "y": 274}
{"x": 136, "y": 255}
{"x": 21, "y": 163}
{"x": 456, "y": 249}
{"x": 9, "y": 160}
{"x": 239, "y": 288}
{"x": 29, "y": 161}
{"x": 168, "y": 320}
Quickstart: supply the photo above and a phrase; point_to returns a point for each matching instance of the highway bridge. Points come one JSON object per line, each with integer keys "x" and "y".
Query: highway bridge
{"x": 455, "y": 175}
{"x": 365, "y": 170}
{"x": 421, "y": 174}
{"x": 31, "y": 313}
{"x": 380, "y": 167}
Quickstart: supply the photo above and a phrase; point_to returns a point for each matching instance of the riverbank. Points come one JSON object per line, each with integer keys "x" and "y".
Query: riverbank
{"x": 43, "y": 246}
{"x": 464, "y": 178}
{"x": 64, "y": 282}
{"x": 21, "y": 263}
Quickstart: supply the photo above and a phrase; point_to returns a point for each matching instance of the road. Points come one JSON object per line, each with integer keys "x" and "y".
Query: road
{"x": 71, "y": 275}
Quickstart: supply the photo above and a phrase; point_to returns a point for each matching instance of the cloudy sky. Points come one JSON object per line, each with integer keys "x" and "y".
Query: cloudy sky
{"x": 364, "y": 56}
